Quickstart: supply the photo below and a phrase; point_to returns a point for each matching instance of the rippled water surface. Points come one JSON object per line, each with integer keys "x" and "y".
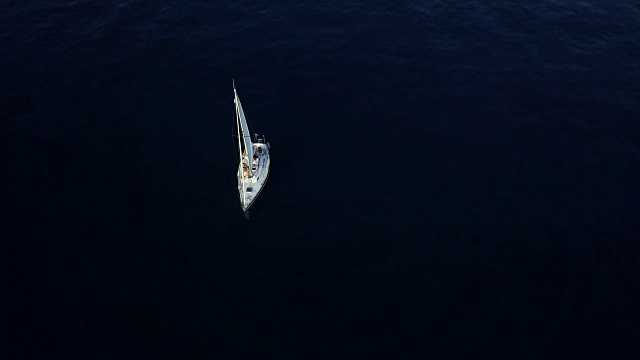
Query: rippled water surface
{"x": 444, "y": 173}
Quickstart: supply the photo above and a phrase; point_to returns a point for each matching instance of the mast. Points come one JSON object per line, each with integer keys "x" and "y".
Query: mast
{"x": 245, "y": 131}
{"x": 238, "y": 126}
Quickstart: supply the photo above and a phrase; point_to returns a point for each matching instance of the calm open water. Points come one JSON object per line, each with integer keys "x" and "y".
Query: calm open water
{"x": 448, "y": 178}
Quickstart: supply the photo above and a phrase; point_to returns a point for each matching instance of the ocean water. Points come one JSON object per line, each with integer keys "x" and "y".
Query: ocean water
{"x": 448, "y": 178}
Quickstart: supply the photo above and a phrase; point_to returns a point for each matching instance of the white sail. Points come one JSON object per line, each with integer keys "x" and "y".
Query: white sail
{"x": 245, "y": 130}
{"x": 240, "y": 179}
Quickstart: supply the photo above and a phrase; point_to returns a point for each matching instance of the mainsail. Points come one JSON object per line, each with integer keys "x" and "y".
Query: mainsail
{"x": 245, "y": 131}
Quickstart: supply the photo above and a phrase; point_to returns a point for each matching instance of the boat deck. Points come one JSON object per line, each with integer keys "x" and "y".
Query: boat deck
{"x": 249, "y": 187}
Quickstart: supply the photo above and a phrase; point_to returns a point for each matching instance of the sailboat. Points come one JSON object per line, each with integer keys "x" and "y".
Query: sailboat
{"x": 255, "y": 159}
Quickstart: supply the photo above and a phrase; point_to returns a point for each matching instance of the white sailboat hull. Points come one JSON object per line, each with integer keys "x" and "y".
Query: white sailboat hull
{"x": 249, "y": 187}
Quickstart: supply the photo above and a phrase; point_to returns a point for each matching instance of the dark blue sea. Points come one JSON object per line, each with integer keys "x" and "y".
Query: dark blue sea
{"x": 449, "y": 179}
